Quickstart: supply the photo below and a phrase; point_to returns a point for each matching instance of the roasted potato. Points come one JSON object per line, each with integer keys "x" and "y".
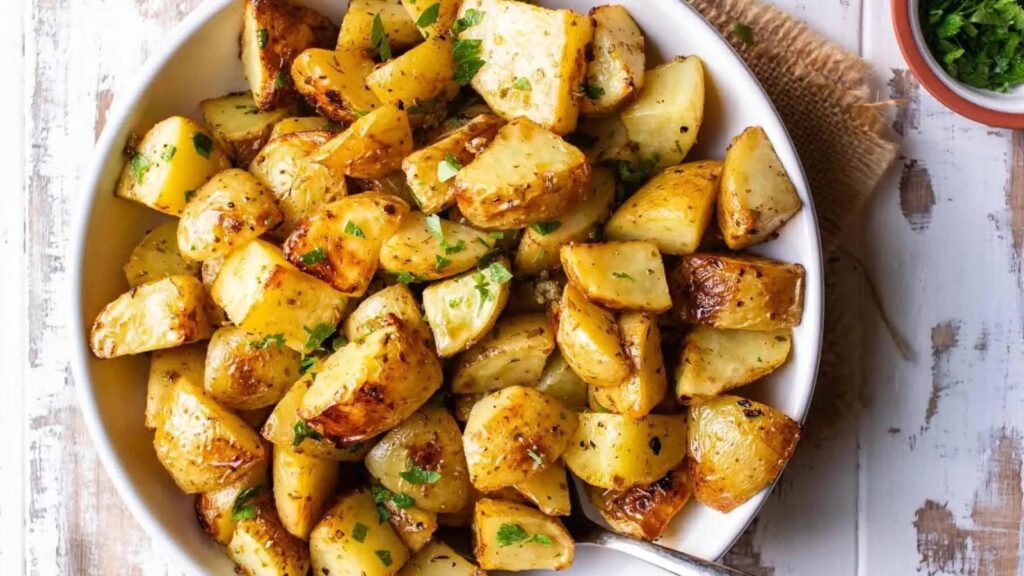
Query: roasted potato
{"x": 560, "y": 382}
{"x": 737, "y": 448}
{"x": 351, "y": 539}
{"x": 526, "y": 74}
{"x": 738, "y": 292}
{"x": 438, "y": 559}
{"x": 430, "y": 170}
{"x": 616, "y": 71}
{"x": 548, "y": 490}
{"x": 757, "y": 197}
{"x": 413, "y": 525}
{"x": 714, "y": 361}
{"x": 261, "y": 546}
{"x": 227, "y": 212}
{"x": 169, "y": 164}
{"x": 526, "y": 175}
{"x": 274, "y": 32}
{"x": 215, "y": 509}
{"x": 238, "y": 125}
{"x": 643, "y": 511}
{"x": 357, "y": 26}
{"x": 508, "y": 536}
{"x": 340, "y": 242}
{"x": 647, "y": 384}
{"x": 419, "y": 81}
{"x": 397, "y": 300}
{"x": 430, "y": 248}
{"x": 672, "y": 210}
{"x": 433, "y": 21}
{"x": 606, "y": 140}
{"x": 160, "y": 314}
{"x": 157, "y": 256}
{"x": 588, "y": 338}
{"x": 165, "y": 368}
{"x": 615, "y": 452}
{"x": 372, "y": 384}
{"x": 296, "y": 124}
{"x": 538, "y": 249}
{"x": 513, "y": 354}
{"x": 203, "y": 445}
{"x": 303, "y": 485}
{"x": 262, "y": 292}
{"x": 423, "y": 458}
{"x": 462, "y": 310}
{"x": 248, "y": 370}
{"x": 334, "y": 82}
{"x": 665, "y": 117}
{"x": 372, "y": 146}
{"x": 619, "y": 275}
{"x": 513, "y": 434}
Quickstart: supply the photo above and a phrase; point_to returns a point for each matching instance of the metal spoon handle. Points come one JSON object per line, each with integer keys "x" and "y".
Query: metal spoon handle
{"x": 671, "y": 560}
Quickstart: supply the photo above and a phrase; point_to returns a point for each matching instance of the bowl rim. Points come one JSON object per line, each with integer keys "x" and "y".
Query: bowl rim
{"x": 916, "y": 56}
{"x": 121, "y": 112}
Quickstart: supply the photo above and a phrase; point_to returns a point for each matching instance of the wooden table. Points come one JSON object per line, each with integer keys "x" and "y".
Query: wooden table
{"x": 912, "y": 460}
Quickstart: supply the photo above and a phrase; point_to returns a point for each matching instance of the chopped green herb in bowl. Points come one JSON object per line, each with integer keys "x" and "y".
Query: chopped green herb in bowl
{"x": 977, "y": 42}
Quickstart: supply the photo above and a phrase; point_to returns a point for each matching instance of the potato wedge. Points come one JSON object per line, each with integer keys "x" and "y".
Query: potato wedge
{"x": 462, "y": 310}
{"x": 165, "y": 368}
{"x": 413, "y": 525}
{"x": 302, "y": 487}
{"x": 431, "y": 248}
{"x": 261, "y": 546}
{"x": 372, "y": 146}
{"x": 714, "y": 361}
{"x": 350, "y": 539}
{"x": 203, "y": 445}
{"x": 616, "y": 71}
{"x": 397, "y": 300}
{"x": 238, "y": 125}
{"x": 262, "y": 292}
{"x": 157, "y": 256}
{"x": 513, "y": 354}
{"x": 605, "y": 140}
{"x": 248, "y": 370}
{"x": 504, "y": 446}
{"x": 215, "y": 509}
{"x": 419, "y": 81}
{"x": 438, "y": 559}
{"x": 432, "y": 188}
{"x": 738, "y": 292}
{"x": 665, "y": 117}
{"x": 672, "y": 210}
{"x": 526, "y": 175}
{"x": 297, "y": 124}
{"x": 643, "y": 511}
{"x": 423, "y": 458}
{"x": 169, "y": 164}
{"x": 227, "y": 212}
{"x": 333, "y": 82}
{"x": 160, "y": 314}
{"x": 552, "y": 64}
{"x": 514, "y": 537}
{"x": 647, "y": 384}
{"x": 548, "y": 490}
{"x": 619, "y": 275}
{"x": 560, "y": 382}
{"x": 372, "y": 384}
{"x": 274, "y": 32}
{"x": 757, "y": 197}
{"x": 588, "y": 338}
{"x": 738, "y": 447}
{"x": 340, "y": 242}
{"x": 357, "y": 26}
{"x": 614, "y": 452}
{"x": 437, "y": 20}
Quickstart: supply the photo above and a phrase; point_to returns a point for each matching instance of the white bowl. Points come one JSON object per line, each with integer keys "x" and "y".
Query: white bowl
{"x": 200, "y": 60}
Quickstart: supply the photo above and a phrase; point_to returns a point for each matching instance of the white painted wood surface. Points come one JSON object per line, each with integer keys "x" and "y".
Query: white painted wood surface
{"x": 908, "y": 465}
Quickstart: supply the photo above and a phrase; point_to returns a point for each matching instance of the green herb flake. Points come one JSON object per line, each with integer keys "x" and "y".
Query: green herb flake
{"x": 448, "y": 168}
{"x": 268, "y": 341}
{"x": 482, "y": 288}
{"x": 243, "y": 508}
{"x": 314, "y": 256}
{"x": 499, "y": 274}
{"x": 509, "y": 534}
{"x": 282, "y": 79}
{"x": 592, "y": 91}
{"x": 455, "y": 303}
{"x": 458, "y": 247}
{"x": 542, "y": 539}
{"x": 339, "y": 342}
{"x": 622, "y": 276}
{"x": 353, "y": 229}
{"x": 403, "y": 500}
{"x": 743, "y": 32}
{"x": 545, "y": 228}
{"x": 379, "y": 38}
{"x": 535, "y": 456}
{"x": 470, "y": 19}
{"x": 522, "y": 83}
{"x": 384, "y": 555}
{"x": 416, "y": 475}
{"x": 262, "y": 37}
{"x": 168, "y": 152}
{"x": 140, "y": 165}
{"x": 497, "y": 235}
{"x": 202, "y": 144}
{"x": 429, "y": 16}
{"x": 317, "y": 335}
{"x": 404, "y": 278}
{"x": 359, "y": 532}
{"x": 466, "y": 54}
{"x": 302, "y": 430}
{"x": 307, "y": 363}
{"x": 441, "y": 262}
{"x": 978, "y": 42}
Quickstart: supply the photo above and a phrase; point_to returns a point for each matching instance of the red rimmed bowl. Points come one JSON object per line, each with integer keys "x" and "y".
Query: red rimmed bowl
{"x": 1004, "y": 110}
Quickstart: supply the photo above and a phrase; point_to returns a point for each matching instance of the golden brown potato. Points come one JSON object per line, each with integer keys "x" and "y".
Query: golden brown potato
{"x": 340, "y": 242}
{"x": 714, "y": 361}
{"x": 302, "y": 487}
{"x": 334, "y": 82}
{"x": 215, "y": 509}
{"x": 397, "y": 300}
{"x": 526, "y": 175}
{"x": 430, "y": 248}
{"x": 357, "y": 26}
{"x": 201, "y": 444}
{"x": 262, "y": 292}
{"x": 227, "y": 212}
{"x": 666, "y": 115}
{"x": 614, "y": 452}
{"x": 169, "y": 164}
{"x": 606, "y": 140}
{"x": 432, "y": 21}
{"x": 430, "y": 170}
{"x": 672, "y": 210}
{"x": 303, "y": 124}
{"x": 261, "y": 546}
{"x": 160, "y": 314}
{"x": 274, "y": 32}
{"x": 588, "y": 338}
{"x": 165, "y": 368}
{"x": 438, "y": 559}
{"x": 757, "y": 196}
{"x": 372, "y": 146}
{"x": 513, "y": 434}
{"x": 548, "y": 490}
{"x": 419, "y": 81}
{"x": 619, "y": 275}
{"x": 643, "y": 511}
{"x": 616, "y": 71}
{"x": 350, "y": 539}
{"x": 414, "y": 526}
{"x": 513, "y": 354}
{"x": 238, "y": 125}
{"x": 372, "y": 384}
{"x": 514, "y": 537}
{"x": 647, "y": 384}
{"x": 738, "y": 292}
{"x": 248, "y": 370}
{"x": 423, "y": 458}
{"x": 526, "y": 74}
{"x": 157, "y": 256}
{"x": 738, "y": 447}
{"x": 560, "y": 382}
{"x": 462, "y": 310}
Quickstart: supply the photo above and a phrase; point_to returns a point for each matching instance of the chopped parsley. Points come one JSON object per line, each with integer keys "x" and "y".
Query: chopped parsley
{"x": 978, "y": 42}
{"x": 317, "y": 335}
{"x": 482, "y": 288}
{"x": 282, "y": 79}
{"x": 429, "y": 16}
{"x": 384, "y": 555}
{"x": 522, "y": 83}
{"x": 262, "y": 37}
{"x": 380, "y": 496}
{"x": 140, "y": 165}
{"x": 634, "y": 173}
{"x": 743, "y": 32}
{"x": 243, "y": 508}
{"x": 441, "y": 262}
{"x": 267, "y": 341}
{"x": 379, "y": 38}
{"x": 416, "y": 475}
{"x": 545, "y": 228}
{"x": 592, "y": 91}
{"x": 509, "y": 534}
{"x": 353, "y": 229}
{"x": 448, "y": 168}
{"x": 622, "y": 276}
{"x": 536, "y": 456}
{"x": 359, "y": 532}
{"x": 307, "y": 363}
{"x": 314, "y": 256}
{"x": 499, "y": 274}
{"x": 455, "y": 303}
{"x": 497, "y": 235}
{"x": 168, "y": 153}
{"x": 542, "y": 539}
{"x": 405, "y": 278}
{"x": 339, "y": 342}
{"x": 403, "y": 500}
{"x": 472, "y": 18}
{"x": 458, "y": 247}
{"x": 202, "y": 144}
{"x": 302, "y": 430}
{"x": 433, "y": 223}
{"x": 467, "y": 60}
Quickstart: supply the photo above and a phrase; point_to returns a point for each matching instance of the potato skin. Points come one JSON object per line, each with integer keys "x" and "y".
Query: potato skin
{"x": 357, "y": 26}
{"x": 419, "y": 80}
{"x": 157, "y": 256}
{"x": 714, "y": 361}
{"x": 165, "y": 368}
{"x": 228, "y": 211}
{"x": 248, "y": 370}
{"x": 302, "y": 487}
{"x": 238, "y": 126}
{"x": 665, "y": 117}
{"x": 626, "y": 275}
{"x": 261, "y": 546}
{"x": 490, "y": 515}
{"x": 738, "y": 447}
{"x": 617, "y": 66}
{"x": 336, "y": 551}
{"x": 413, "y": 525}
{"x": 214, "y": 508}
{"x": 588, "y": 338}
{"x": 295, "y": 124}
{"x": 396, "y": 299}
{"x": 438, "y": 559}
{"x": 414, "y": 249}
{"x": 647, "y": 384}
{"x": 643, "y": 511}
{"x": 513, "y": 354}
{"x": 458, "y": 312}
{"x": 548, "y": 490}
{"x": 334, "y": 82}
{"x": 560, "y": 382}
{"x": 372, "y": 147}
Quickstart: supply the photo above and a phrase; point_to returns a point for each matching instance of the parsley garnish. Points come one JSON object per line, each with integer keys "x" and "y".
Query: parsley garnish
{"x": 314, "y": 256}
{"x": 499, "y": 274}
{"x": 262, "y": 37}
{"x": 352, "y": 229}
{"x": 455, "y": 303}
{"x": 416, "y": 475}
{"x": 403, "y": 500}
{"x": 380, "y": 496}
{"x": 169, "y": 152}
{"x": 483, "y": 288}
{"x": 978, "y": 42}
{"x": 359, "y": 532}
{"x": 433, "y": 223}
{"x": 743, "y": 32}
{"x": 448, "y": 168}
{"x": 405, "y": 278}
{"x": 635, "y": 173}
{"x": 266, "y": 341}
{"x": 302, "y": 430}
{"x": 339, "y": 342}
{"x": 429, "y": 16}
{"x": 592, "y": 91}
{"x": 467, "y": 60}
{"x": 472, "y": 18}
{"x": 542, "y": 539}
{"x": 140, "y": 165}
{"x": 497, "y": 235}
{"x": 441, "y": 262}
{"x": 202, "y": 144}
{"x": 509, "y": 534}
{"x": 384, "y": 555}
{"x": 243, "y": 509}
{"x": 622, "y": 276}
{"x": 536, "y": 456}
{"x": 545, "y": 228}
{"x": 522, "y": 83}
{"x": 307, "y": 363}
{"x": 458, "y": 247}
{"x": 282, "y": 79}
{"x": 379, "y": 38}
{"x": 317, "y": 335}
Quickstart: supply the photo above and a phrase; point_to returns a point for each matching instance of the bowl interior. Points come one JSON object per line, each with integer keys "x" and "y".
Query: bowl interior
{"x": 201, "y": 61}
